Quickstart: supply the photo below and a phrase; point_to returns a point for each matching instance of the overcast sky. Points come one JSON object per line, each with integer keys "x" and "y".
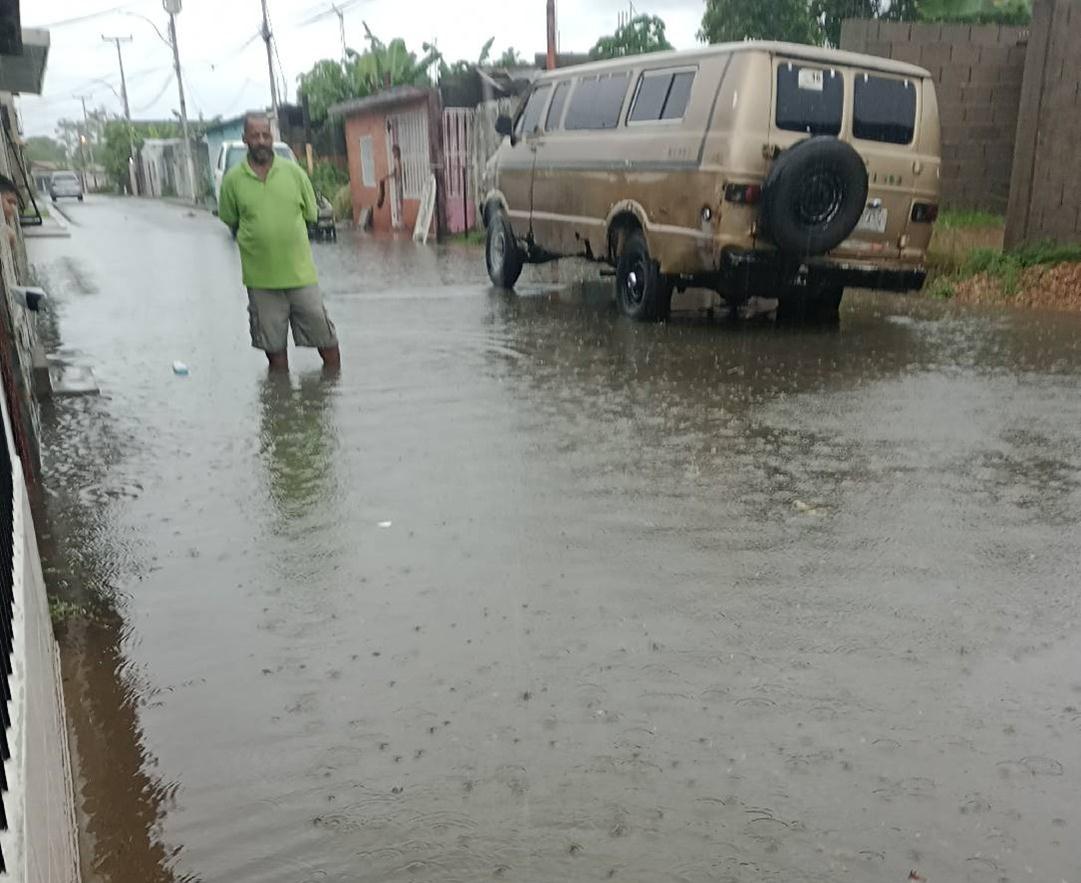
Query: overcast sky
{"x": 224, "y": 76}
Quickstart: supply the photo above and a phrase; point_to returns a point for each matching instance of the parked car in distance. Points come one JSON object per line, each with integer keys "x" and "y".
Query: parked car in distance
{"x": 754, "y": 169}
{"x": 65, "y": 185}
{"x": 232, "y": 152}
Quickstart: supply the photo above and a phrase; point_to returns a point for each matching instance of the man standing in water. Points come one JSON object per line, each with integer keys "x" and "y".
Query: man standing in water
{"x": 268, "y": 202}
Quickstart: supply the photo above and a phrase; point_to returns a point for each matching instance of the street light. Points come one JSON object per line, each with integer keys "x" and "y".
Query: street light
{"x": 173, "y": 7}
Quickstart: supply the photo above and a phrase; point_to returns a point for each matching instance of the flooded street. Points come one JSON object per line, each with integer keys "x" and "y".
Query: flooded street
{"x": 532, "y": 593}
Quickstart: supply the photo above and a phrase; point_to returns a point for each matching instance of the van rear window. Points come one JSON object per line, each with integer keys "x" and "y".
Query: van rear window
{"x": 597, "y": 102}
{"x": 662, "y": 96}
{"x": 809, "y": 99}
{"x": 884, "y": 109}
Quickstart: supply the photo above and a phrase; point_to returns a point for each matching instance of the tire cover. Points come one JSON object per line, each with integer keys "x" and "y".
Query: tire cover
{"x": 814, "y": 196}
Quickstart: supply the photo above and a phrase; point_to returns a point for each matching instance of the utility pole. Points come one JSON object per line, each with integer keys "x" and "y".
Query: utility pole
{"x": 84, "y": 138}
{"x": 267, "y": 37}
{"x": 551, "y": 35}
{"x": 173, "y": 7}
{"x": 341, "y": 27}
{"x": 127, "y": 110}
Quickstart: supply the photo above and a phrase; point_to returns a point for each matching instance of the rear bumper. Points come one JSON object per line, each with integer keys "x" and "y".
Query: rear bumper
{"x": 752, "y": 272}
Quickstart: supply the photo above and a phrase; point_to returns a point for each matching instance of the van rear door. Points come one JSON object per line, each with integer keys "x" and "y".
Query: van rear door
{"x": 874, "y": 112}
{"x": 885, "y": 108}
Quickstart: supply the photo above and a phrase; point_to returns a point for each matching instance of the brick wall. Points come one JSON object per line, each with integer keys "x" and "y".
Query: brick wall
{"x": 978, "y": 72}
{"x": 1045, "y": 201}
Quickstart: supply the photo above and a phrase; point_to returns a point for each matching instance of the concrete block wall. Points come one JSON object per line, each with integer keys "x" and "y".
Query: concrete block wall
{"x": 1045, "y": 202}
{"x": 978, "y": 72}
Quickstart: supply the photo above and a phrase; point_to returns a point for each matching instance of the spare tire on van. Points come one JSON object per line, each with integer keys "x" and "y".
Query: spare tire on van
{"x": 814, "y": 196}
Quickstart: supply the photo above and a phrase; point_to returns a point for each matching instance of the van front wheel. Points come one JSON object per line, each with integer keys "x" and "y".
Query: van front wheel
{"x": 501, "y": 253}
{"x": 644, "y": 294}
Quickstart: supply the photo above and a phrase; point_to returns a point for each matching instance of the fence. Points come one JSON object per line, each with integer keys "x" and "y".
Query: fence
{"x": 1045, "y": 195}
{"x": 486, "y": 140}
{"x": 37, "y": 820}
{"x": 458, "y": 125}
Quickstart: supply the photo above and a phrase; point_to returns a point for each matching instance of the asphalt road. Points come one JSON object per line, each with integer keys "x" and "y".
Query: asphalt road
{"x": 531, "y": 593}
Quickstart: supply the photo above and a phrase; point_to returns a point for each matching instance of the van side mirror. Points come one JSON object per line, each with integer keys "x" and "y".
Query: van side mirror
{"x": 504, "y": 126}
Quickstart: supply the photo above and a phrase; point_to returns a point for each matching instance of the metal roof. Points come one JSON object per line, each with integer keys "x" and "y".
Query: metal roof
{"x": 25, "y": 73}
{"x": 387, "y": 98}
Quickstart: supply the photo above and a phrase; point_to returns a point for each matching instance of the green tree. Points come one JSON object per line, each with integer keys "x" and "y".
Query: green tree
{"x": 44, "y": 149}
{"x": 642, "y": 34}
{"x": 831, "y": 14}
{"x": 119, "y": 141}
{"x": 729, "y": 21}
{"x": 383, "y": 65}
{"x": 1000, "y": 12}
{"x": 326, "y": 84}
{"x": 510, "y": 58}
{"x": 460, "y": 67}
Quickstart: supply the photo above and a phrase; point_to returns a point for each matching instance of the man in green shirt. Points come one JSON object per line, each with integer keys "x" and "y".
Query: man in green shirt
{"x": 268, "y": 203}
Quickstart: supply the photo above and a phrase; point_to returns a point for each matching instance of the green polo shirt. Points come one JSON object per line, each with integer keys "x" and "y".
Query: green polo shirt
{"x": 271, "y": 219}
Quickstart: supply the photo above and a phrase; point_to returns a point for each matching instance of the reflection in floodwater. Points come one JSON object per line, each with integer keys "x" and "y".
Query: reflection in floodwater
{"x": 120, "y": 800}
{"x": 297, "y": 441}
{"x": 534, "y": 593}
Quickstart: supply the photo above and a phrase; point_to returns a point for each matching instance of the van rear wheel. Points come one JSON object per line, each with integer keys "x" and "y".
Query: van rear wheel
{"x": 644, "y": 294}
{"x": 501, "y": 252}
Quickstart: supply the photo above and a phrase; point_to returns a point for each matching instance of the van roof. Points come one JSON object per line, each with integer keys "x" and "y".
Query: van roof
{"x": 788, "y": 50}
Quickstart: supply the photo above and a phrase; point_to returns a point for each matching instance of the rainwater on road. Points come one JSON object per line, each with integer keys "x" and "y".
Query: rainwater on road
{"x": 532, "y": 593}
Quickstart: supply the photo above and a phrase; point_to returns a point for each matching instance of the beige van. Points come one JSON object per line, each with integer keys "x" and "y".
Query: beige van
{"x": 753, "y": 169}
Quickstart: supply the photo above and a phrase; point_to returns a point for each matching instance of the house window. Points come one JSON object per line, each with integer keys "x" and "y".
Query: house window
{"x": 409, "y": 132}
{"x": 367, "y": 161}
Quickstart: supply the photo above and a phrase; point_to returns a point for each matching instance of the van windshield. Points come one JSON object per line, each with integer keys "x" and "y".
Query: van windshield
{"x": 809, "y": 99}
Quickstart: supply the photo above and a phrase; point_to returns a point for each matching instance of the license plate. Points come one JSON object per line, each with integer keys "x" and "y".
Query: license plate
{"x": 873, "y": 220}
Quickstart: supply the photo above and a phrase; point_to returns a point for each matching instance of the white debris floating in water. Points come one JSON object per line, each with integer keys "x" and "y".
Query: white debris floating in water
{"x": 386, "y": 523}
{"x": 180, "y": 369}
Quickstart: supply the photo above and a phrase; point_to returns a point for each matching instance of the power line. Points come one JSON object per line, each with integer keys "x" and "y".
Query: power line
{"x": 90, "y": 16}
{"x": 164, "y": 86}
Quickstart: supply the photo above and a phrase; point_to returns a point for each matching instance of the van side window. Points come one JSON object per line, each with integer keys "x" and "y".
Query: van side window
{"x": 597, "y": 102}
{"x": 661, "y": 95}
{"x": 555, "y": 110}
{"x": 884, "y": 109}
{"x": 678, "y": 96}
{"x": 809, "y": 99}
{"x": 531, "y": 116}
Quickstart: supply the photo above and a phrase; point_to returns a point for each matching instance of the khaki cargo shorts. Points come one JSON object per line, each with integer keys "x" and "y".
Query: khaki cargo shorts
{"x": 271, "y": 312}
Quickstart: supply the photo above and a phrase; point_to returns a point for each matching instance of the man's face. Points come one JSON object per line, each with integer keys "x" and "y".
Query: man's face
{"x": 11, "y": 207}
{"x": 260, "y": 140}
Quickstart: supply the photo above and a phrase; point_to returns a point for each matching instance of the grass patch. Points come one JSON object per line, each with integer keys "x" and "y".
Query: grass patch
{"x": 1004, "y": 268}
{"x": 966, "y": 220}
{"x": 61, "y": 611}
{"x": 470, "y": 237}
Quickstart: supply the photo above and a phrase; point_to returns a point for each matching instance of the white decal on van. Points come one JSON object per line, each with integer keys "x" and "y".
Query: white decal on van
{"x": 811, "y": 79}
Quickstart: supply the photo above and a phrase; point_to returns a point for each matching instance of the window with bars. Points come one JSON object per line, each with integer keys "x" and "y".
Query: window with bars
{"x": 367, "y": 161}
{"x": 409, "y": 132}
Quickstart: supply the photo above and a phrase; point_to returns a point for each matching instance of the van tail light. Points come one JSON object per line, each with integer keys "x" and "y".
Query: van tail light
{"x": 924, "y": 212}
{"x": 743, "y": 194}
